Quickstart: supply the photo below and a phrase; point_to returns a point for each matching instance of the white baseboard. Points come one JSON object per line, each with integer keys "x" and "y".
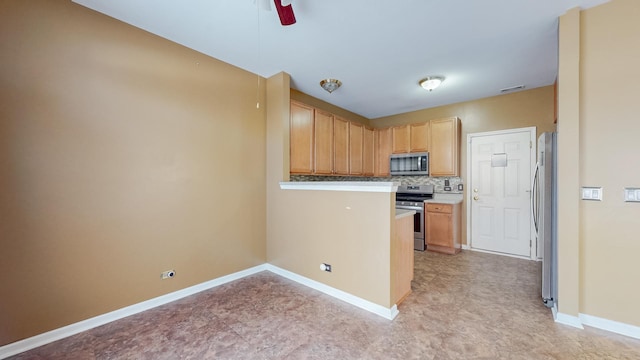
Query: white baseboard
{"x": 499, "y": 253}
{"x": 610, "y": 325}
{"x": 387, "y": 313}
{"x": 69, "y": 330}
{"x": 596, "y": 322}
{"x": 569, "y": 320}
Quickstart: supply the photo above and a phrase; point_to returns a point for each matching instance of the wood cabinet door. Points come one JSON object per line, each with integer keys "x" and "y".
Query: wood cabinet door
{"x": 404, "y": 258}
{"x": 439, "y": 229}
{"x": 301, "y": 138}
{"x": 323, "y": 142}
{"x": 383, "y": 151}
{"x": 401, "y": 139}
{"x": 368, "y": 152}
{"x": 420, "y": 137}
{"x": 445, "y": 147}
{"x": 356, "y": 137}
{"x": 340, "y": 146}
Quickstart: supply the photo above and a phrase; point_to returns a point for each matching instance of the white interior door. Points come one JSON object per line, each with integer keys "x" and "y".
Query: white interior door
{"x": 500, "y": 191}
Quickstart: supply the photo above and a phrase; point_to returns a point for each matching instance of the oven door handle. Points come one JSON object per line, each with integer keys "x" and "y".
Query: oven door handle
{"x": 416, "y": 208}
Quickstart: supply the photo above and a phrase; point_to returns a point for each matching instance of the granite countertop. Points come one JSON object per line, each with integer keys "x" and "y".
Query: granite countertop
{"x": 363, "y": 186}
{"x": 400, "y": 213}
{"x": 452, "y": 199}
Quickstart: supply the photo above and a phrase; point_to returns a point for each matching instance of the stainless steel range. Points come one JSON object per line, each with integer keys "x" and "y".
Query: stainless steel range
{"x": 412, "y": 197}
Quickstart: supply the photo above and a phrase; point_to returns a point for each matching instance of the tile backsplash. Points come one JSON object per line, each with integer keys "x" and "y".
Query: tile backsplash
{"x": 437, "y": 182}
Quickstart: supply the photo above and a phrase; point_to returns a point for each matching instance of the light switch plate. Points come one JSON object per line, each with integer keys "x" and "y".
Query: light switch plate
{"x": 632, "y": 194}
{"x": 591, "y": 193}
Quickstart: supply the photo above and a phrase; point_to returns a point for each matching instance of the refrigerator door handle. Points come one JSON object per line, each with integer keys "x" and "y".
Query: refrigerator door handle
{"x": 535, "y": 211}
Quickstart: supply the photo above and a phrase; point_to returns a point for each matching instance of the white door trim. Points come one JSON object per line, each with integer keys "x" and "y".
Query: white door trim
{"x": 532, "y": 155}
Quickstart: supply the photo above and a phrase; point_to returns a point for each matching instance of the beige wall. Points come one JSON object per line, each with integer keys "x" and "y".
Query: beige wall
{"x": 117, "y": 150}
{"x": 121, "y": 155}
{"x": 306, "y": 228}
{"x": 608, "y": 128}
{"x": 569, "y": 163}
{"x": 522, "y": 109}
{"x": 349, "y": 230}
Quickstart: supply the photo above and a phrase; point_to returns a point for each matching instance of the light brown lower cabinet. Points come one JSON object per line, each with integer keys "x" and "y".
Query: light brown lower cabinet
{"x": 402, "y": 258}
{"x": 442, "y": 227}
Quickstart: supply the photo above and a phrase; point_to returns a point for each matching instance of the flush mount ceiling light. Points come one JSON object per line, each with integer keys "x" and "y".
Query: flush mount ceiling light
{"x": 431, "y": 82}
{"x": 330, "y": 84}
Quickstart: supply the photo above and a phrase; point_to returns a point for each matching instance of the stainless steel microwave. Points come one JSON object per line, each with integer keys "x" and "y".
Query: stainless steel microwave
{"x": 409, "y": 164}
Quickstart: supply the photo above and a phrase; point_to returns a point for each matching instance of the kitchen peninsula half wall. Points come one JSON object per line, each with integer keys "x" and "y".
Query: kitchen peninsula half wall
{"x": 437, "y": 182}
{"x": 347, "y": 225}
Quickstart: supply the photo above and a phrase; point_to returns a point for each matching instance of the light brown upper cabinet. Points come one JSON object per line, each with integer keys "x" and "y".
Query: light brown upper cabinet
{"x": 323, "y": 142}
{"x": 419, "y": 137}
{"x": 401, "y": 139}
{"x": 368, "y": 157}
{"x": 444, "y": 157}
{"x": 340, "y": 146}
{"x": 301, "y": 138}
{"x": 356, "y": 136}
{"x": 411, "y": 138}
{"x": 383, "y": 151}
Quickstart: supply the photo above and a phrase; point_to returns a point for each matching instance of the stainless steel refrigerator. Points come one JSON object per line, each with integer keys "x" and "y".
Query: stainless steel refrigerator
{"x": 545, "y": 207}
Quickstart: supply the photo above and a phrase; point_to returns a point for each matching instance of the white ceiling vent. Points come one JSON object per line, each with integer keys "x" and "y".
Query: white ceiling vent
{"x": 512, "y": 89}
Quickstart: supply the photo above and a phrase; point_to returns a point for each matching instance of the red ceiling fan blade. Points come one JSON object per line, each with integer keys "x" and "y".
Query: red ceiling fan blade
{"x": 285, "y": 13}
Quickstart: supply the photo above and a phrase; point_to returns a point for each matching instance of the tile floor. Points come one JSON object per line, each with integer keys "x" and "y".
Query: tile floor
{"x": 468, "y": 306}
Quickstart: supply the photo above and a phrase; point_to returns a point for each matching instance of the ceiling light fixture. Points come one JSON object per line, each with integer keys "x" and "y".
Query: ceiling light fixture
{"x": 330, "y": 84}
{"x": 431, "y": 82}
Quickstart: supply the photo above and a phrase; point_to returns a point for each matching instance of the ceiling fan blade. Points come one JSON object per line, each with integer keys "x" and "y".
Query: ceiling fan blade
{"x": 285, "y": 13}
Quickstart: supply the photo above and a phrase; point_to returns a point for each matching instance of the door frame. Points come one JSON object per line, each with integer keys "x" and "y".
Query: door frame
{"x": 532, "y": 156}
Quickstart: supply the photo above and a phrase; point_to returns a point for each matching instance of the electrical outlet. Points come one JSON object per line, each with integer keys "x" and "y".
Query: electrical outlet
{"x": 325, "y": 267}
{"x": 167, "y": 274}
{"x": 460, "y": 187}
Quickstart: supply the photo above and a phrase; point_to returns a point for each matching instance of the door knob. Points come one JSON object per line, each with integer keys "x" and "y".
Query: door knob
{"x": 476, "y": 197}
{"x": 475, "y": 190}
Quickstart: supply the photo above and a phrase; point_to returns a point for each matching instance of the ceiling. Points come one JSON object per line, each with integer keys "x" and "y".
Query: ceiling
{"x": 378, "y": 49}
